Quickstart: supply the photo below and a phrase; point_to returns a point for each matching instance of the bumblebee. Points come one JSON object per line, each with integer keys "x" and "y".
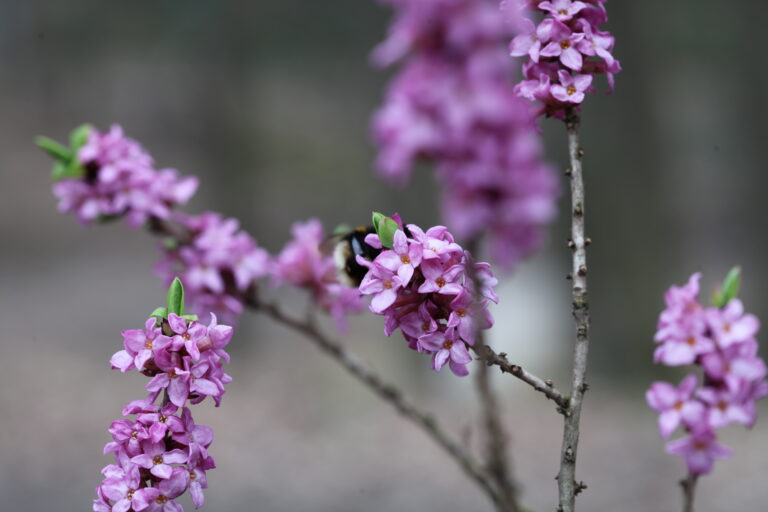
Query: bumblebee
{"x": 346, "y": 247}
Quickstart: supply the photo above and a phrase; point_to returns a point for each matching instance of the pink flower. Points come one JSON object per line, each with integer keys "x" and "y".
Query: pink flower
{"x": 120, "y": 179}
{"x": 700, "y": 451}
{"x": 564, "y": 47}
{"x": 676, "y": 405}
{"x": 453, "y": 105}
{"x": 722, "y": 341}
{"x": 571, "y": 89}
{"x": 730, "y": 325}
{"x": 447, "y": 350}
{"x": 436, "y": 309}
{"x": 562, "y": 10}
{"x": 125, "y": 490}
{"x": 157, "y": 460}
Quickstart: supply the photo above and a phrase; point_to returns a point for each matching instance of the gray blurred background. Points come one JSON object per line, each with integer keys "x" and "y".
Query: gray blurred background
{"x": 268, "y": 102}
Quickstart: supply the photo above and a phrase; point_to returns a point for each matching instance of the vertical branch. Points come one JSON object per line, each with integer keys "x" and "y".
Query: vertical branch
{"x": 566, "y": 478}
{"x": 689, "y": 490}
{"x": 496, "y": 454}
{"x": 495, "y": 440}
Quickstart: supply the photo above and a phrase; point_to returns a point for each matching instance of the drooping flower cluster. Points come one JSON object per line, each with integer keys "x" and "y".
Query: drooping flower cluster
{"x": 423, "y": 286}
{"x": 453, "y": 104}
{"x": 565, "y": 50}
{"x": 159, "y": 451}
{"x": 111, "y": 175}
{"x": 304, "y": 264}
{"x": 721, "y": 341}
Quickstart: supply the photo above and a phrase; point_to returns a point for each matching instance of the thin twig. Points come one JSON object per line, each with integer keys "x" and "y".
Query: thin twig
{"x": 689, "y": 491}
{"x": 356, "y": 368}
{"x": 497, "y": 457}
{"x": 566, "y": 478}
{"x": 546, "y": 387}
{"x": 384, "y": 390}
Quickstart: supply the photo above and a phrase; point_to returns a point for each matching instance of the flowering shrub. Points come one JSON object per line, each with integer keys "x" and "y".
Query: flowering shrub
{"x": 106, "y": 175}
{"x": 721, "y": 341}
{"x": 565, "y": 50}
{"x": 160, "y": 453}
{"x": 422, "y": 283}
{"x": 453, "y": 104}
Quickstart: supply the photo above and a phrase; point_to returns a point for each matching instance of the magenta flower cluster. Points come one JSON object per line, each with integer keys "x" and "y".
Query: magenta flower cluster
{"x": 118, "y": 178}
{"x": 453, "y": 105}
{"x": 160, "y": 452}
{"x": 565, "y": 51}
{"x": 218, "y": 262}
{"x": 221, "y": 265}
{"x": 423, "y": 286}
{"x": 721, "y": 341}
{"x": 303, "y": 263}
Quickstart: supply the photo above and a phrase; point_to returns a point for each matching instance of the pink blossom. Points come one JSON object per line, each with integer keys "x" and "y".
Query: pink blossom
{"x": 568, "y": 39}
{"x": 700, "y": 451}
{"x": 120, "y": 179}
{"x": 676, "y": 405}
{"x": 436, "y": 309}
{"x": 721, "y": 340}
{"x": 571, "y": 88}
{"x": 453, "y": 105}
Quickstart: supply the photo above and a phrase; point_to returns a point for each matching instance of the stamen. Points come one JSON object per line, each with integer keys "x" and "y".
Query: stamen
{"x": 565, "y": 44}
{"x": 440, "y": 282}
{"x": 571, "y": 90}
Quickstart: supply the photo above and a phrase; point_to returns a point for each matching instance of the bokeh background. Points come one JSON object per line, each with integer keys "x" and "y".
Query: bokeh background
{"x": 269, "y": 102}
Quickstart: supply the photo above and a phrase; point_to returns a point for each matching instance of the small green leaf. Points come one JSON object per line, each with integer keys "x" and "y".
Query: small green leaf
{"x": 377, "y": 218}
{"x": 159, "y": 313}
{"x": 176, "y": 297}
{"x": 58, "y": 151}
{"x": 385, "y": 228}
{"x": 79, "y": 136}
{"x": 730, "y": 288}
{"x": 189, "y": 318}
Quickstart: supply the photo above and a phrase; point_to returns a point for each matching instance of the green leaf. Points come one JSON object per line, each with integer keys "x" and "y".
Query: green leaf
{"x": 176, "y": 297}
{"x": 377, "y": 218}
{"x": 79, "y": 136}
{"x": 58, "y": 151}
{"x": 159, "y": 313}
{"x": 730, "y": 288}
{"x": 385, "y": 227}
{"x": 189, "y": 318}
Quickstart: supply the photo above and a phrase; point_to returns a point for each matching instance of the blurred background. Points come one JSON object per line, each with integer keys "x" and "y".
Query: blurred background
{"x": 268, "y": 103}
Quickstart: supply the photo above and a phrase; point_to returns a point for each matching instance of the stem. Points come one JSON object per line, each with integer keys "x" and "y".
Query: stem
{"x": 546, "y": 387}
{"x": 689, "y": 490}
{"x": 566, "y": 478}
{"x": 385, "y": 391}
{"x": 496, "y": 452}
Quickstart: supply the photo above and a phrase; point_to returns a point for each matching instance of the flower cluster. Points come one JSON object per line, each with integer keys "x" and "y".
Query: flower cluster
{"x": 304, "y": 264}
{"x": 111, "y": 175}
{"x": 453, "y": 104}
{"x": 566, "y": 49}
{"x": 423, "y": 285}
{"x": 222, "y": 264}
{"x": 720, "y": 340}
{"x": 160, "y": 452}
{"x": 218, "y": 262}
